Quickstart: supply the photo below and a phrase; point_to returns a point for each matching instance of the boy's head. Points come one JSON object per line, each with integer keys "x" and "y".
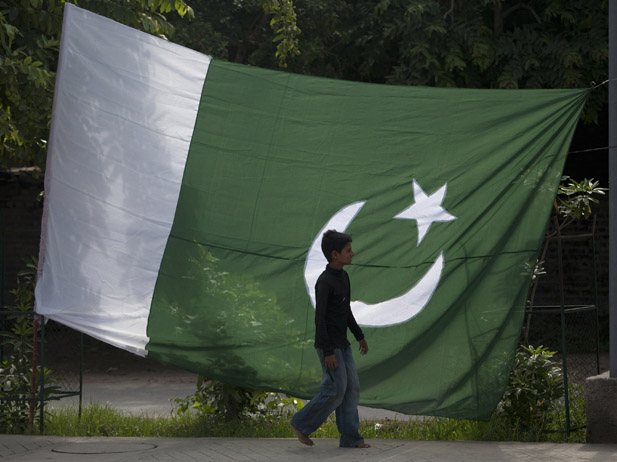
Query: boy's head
{"x": 332, "y": 241}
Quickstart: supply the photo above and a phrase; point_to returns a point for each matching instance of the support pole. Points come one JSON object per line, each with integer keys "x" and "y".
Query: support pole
{"x": 562, "y": 310}
{"x": 612, "y": 182}
{"x": 42, "y": 377}
{"x": 35, "y": 351}
{"x": 601, "y": 390}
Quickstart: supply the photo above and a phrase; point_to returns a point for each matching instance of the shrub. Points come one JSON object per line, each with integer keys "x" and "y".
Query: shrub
{"x": 232, "y": 402}
{"x": 536, "y": 382}
{"x": 16, "y": 363}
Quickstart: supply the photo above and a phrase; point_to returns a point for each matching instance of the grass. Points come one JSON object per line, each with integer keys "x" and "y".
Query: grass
{"x": 103, "y": 420}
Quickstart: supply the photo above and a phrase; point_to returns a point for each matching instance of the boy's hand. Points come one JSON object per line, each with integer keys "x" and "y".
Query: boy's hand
{"x": 331, "y": 362}
{"x": 363, "y": 347}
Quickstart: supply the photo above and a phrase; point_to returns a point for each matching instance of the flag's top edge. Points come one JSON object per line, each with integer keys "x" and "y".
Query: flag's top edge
{"x": 323, "y": 85}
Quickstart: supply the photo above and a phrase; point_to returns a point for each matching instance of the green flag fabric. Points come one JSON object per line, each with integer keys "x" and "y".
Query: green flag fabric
{"x": 445, "y": 192}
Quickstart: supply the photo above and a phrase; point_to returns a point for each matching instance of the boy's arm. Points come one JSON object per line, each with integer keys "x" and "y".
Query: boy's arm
{"x": 351, "y": 320}
{"x": 357, "y": 332}
{"x": 321, "y": 329}
{"x": 354, "y": 327}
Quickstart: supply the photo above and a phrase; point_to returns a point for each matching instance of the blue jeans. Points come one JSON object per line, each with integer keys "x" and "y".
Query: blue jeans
{"x": 340, "y": 392}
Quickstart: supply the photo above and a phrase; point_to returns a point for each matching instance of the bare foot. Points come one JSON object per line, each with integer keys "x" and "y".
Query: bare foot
{"x": 363, "y": 445}
{"x": 302, "y": 437}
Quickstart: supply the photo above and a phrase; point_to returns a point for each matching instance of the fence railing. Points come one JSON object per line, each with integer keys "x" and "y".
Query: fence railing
{"x": 572, "y": 330}
{"x": 40, "y": 361}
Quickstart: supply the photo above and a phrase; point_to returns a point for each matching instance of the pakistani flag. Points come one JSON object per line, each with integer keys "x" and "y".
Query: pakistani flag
{"x": 186, "y": 198}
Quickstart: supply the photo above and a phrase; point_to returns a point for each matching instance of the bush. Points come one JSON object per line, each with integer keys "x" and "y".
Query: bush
{"x": 232, "y": 402}
{"x": 16, "y": 364}
{"x": 536, "y": 383}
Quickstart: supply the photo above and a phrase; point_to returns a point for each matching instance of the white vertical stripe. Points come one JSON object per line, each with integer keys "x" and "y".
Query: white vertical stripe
{"x": 124, "y": 110}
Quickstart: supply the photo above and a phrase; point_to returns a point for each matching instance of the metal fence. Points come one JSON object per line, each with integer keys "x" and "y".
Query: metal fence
{"x": 577, "y": 352}
{"x": 569, "y": 327}
{"x": 40, "y": 361}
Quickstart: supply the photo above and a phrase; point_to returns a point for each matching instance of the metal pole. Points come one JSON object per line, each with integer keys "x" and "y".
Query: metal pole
{"x": 2, "y": 260}
{"x": 81, "y": 371}
{"x": 42, "y": 379}
{"x": 595, "y": 295}
{"x": 35, "y": 353}
{"x": 2, "y": 276}
{"x": 564, "y": 349}
{"x": 612, "y": 182}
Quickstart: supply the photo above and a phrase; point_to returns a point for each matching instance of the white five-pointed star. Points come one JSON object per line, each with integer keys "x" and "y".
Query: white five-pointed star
{"x": 426, "y": 209}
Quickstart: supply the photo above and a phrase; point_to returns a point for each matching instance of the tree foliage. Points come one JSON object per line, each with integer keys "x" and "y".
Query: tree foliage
{"x": 446, "y": 43}
{"x": 29, "y": 37}
{"x": 29, "y": 32}
{"x": 20, "y": 378}
{"x": 258, "y": 32}
{"x": 574, "y": 198}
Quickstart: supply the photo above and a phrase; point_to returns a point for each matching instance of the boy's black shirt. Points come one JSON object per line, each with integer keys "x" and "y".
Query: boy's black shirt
{"x": 333, "y": 311}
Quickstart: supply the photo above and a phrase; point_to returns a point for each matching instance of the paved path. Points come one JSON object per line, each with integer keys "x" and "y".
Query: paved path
{"x": 68, "y": 449}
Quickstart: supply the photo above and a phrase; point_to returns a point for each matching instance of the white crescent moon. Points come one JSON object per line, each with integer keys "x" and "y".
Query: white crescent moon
{"x": 390, "y": 312}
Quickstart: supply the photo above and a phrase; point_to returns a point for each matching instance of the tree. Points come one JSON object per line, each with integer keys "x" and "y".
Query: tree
{"x": 498, "y": 44}
{"x": 446, "y": 43}
{"x": 29, "y": 34}
{"x": 251, "y": 31}
{"x": 258, "y": 32}
{"x": 29, "y": 37}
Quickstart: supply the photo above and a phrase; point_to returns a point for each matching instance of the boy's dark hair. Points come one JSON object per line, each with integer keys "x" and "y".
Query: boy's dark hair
{"x": 333, "y": 240}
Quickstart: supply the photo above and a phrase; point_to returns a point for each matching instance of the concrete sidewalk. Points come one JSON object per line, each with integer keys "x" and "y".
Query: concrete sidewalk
{"x": 42, "y": 448}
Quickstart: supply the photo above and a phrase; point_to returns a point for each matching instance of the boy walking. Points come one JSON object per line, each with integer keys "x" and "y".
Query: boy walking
{"x": 340, "y": 387}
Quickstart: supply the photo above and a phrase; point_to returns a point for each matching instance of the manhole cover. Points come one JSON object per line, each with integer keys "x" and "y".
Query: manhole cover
{"x": 102, "y": 447}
